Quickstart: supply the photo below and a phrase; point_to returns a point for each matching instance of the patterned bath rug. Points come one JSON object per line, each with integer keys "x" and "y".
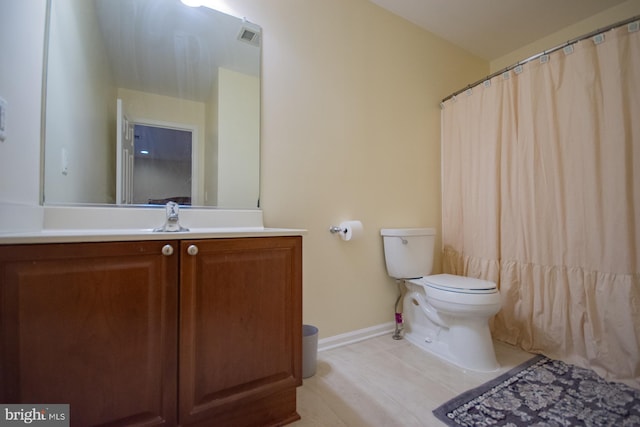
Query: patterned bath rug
{"x": 544, "y": 392}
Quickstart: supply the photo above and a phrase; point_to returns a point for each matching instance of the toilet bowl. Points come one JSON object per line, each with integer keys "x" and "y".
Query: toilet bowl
{"x": 452, "y": 323}
{"x": 444, "y": 314}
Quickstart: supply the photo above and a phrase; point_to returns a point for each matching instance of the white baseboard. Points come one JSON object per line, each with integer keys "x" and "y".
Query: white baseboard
{"x": 355, "y": 336}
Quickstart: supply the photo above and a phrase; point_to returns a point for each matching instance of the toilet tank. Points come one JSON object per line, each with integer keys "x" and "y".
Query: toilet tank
{"x": 408, "y": 252}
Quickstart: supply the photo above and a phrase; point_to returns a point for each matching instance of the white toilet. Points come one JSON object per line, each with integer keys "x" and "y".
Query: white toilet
{"x": 443, "y": 314}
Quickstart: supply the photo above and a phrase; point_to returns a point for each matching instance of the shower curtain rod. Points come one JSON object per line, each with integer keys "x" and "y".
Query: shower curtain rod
{"x": 545, "y": 52}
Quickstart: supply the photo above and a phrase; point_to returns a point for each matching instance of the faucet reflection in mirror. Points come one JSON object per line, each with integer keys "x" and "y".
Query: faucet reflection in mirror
{"x": 119, "y": 73}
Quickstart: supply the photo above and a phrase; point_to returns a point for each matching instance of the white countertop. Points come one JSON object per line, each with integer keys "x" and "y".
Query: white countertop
{"x": 113, "y": 235}
{"x": 26, "y": 224}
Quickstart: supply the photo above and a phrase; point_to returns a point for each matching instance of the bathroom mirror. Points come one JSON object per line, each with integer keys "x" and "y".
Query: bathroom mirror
{"x": 147, "y": 101}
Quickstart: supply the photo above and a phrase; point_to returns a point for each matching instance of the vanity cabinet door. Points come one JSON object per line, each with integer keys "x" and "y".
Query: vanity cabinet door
{"x": 240, "y": 331}
{"x": 92, "y": 325}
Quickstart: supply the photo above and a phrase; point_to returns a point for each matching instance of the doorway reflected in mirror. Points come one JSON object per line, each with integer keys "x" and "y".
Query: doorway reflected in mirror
{"x": 162, "y": 165}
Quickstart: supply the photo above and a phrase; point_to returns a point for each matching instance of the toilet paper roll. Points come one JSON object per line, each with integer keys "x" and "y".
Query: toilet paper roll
{"x": 350, "y": 230}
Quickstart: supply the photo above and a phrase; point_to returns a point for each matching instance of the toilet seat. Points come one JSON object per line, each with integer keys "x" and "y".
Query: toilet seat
{"x": 457, "y": 284}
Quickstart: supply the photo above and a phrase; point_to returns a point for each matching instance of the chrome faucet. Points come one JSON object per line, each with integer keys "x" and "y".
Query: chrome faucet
{"x": 173, "y": 219}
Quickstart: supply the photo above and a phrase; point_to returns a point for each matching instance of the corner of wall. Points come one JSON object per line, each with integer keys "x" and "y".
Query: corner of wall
{"x": 610, "y": 16}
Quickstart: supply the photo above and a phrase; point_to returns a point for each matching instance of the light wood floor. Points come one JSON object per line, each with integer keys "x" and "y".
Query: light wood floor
{"x": 383, "y": 382}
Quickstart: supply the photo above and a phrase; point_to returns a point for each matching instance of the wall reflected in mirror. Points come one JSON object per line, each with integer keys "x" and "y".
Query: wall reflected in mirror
{"x": 125, "y": 77}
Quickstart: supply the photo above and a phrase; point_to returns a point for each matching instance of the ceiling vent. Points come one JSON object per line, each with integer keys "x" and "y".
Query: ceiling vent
{"x": 250, "y": 36}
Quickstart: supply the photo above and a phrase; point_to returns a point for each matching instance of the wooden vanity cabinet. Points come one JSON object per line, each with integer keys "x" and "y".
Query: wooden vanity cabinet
{"x": 209, "y": 335}
{"x": 92, "y": 325}
{"x": 240, "y": 331}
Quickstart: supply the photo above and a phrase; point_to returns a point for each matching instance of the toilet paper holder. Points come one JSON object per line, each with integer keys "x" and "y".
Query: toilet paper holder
{"x": 347, "y": 230}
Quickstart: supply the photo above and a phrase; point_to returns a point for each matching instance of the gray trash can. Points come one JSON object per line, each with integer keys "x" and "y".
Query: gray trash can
{"x": 309, "y": 350}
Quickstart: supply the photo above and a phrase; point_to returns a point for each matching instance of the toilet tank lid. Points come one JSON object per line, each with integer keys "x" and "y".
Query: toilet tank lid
{"x": 408, "y": 231}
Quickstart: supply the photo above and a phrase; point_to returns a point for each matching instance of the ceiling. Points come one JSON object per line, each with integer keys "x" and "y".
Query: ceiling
{"x": 493, "y": 28}
{"x": 167, "y": 48}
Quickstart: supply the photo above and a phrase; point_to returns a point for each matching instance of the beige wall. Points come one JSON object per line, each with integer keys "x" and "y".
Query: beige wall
{"x": 238, "y": 142}
{"x": 610, "y": 16}
{"x": 351, "y": 130}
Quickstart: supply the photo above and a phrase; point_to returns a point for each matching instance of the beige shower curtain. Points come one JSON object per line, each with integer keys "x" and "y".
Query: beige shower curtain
{"x": 541, "y": 193}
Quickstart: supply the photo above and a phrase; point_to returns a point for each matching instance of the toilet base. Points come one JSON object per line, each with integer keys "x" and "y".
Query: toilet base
{"x": 463, "y": 341}
{"x": 482, "y": 359}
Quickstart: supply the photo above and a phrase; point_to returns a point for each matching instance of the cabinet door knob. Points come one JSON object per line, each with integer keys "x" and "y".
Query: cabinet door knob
{"x": 192, "y": 250}
{"x": 167, "y": 250}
